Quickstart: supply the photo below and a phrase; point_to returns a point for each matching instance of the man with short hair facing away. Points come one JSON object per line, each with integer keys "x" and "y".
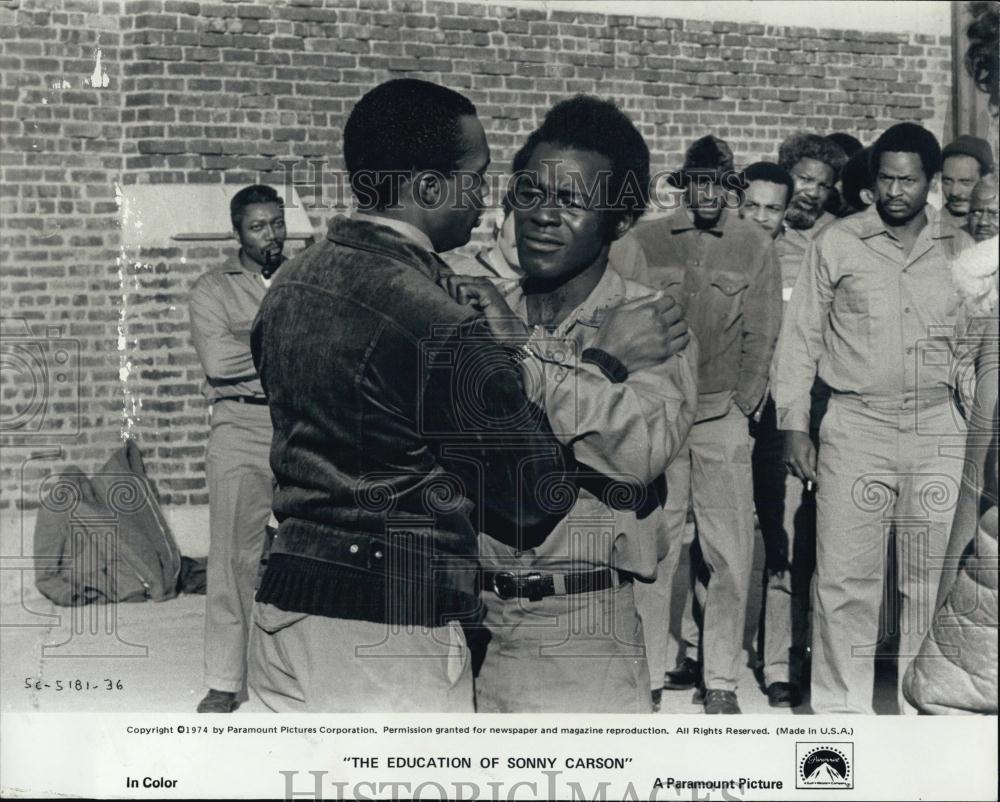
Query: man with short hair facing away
{"x": 223, "y": 304}
{"x": 836, "y": 204}
{"x": 723, "y": 271}
{"x": 964, "y": 161}
{"x": 856, "y": 182}
{"x": 984, "y": 209}
{"x": 872, "y": 312}
{"x": 565, "y": 633}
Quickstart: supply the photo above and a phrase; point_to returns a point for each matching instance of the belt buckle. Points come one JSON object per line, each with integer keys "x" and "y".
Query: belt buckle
{"x": 533, "y": 586}
{"x": 500, "y": 580}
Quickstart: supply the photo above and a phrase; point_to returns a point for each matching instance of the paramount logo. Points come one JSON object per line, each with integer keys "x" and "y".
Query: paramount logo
{"x": 824, "y": 765}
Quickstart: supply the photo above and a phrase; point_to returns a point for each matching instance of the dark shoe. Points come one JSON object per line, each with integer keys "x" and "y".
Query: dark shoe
{"x": 686, "y": 675}
{"x": 721, "y": 702}
{"x": 783, "y": 694}
{"x": 657, "y": 697}
{"x": 218, "y": 702}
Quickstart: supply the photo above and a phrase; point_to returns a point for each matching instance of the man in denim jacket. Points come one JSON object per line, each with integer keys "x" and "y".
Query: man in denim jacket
{"x": 724, "y": 273}
{"x": 402, "y": 429}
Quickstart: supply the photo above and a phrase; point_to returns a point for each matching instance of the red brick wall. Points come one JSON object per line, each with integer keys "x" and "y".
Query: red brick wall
{"x": 228, "y": 91}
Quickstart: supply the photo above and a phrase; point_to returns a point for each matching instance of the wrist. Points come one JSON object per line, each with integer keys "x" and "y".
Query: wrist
{"x": 612, "y": 367}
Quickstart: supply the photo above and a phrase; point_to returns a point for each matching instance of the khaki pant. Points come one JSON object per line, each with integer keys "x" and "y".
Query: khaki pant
{"x": 302, "y": 663}
{"x": 240, "y": 490}
{"x": 579, "y": 653}
{"x": 881, "y": 471}
{"x": 713, "y": 473}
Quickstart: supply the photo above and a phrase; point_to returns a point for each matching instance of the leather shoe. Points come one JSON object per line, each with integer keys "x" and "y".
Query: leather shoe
{"x": 686, "y": 675}
{"x": 657, "y": 697}
{"x": 218, "y": 702}
{"x": 721, "y": 702}
{"x": 783, "y": 694}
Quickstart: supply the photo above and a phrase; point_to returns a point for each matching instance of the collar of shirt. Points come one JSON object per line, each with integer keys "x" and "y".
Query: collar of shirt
{"x": 871, "y": 224}
{"x": 609, "y": 293}
{"x": 408, "y": 230}
{"x": 234, "y": 265}
{"x": 683, "y": 220}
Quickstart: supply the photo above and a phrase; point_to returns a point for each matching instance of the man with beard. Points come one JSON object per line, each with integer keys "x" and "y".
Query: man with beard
{"x": 786, "y": 509}
{"x": 724, "y": 273}
{"x": 814, "y": 162}
{"x": 984, "y": 210}
{"x": 223, "y": 304}
{"x": 565, "y": 635}
{"x": 964, "y": 162}
{"x": 872, "y": 313}
{"x": 403, "y": 426}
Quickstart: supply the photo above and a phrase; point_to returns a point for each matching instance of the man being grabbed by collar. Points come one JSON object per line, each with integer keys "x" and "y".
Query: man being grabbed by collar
{"x": 565, "y": 632}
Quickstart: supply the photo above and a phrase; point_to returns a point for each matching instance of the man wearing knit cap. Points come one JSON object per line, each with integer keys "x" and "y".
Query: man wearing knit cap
{"x": 966, "y": 160}
{"x": 723, "y": 272}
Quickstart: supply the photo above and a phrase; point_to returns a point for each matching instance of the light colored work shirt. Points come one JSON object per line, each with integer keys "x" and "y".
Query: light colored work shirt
{"x": 625, "y": 433}
{"x": 223, "y": 305}
{"x": 868, "y": 319}
{"x": 792, "y": 246}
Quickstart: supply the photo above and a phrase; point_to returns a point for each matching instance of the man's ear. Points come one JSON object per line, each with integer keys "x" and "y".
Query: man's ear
{"x": 867, "y": 196}
{"x": 622, "y": 226}
{"x": 430, "y": 189}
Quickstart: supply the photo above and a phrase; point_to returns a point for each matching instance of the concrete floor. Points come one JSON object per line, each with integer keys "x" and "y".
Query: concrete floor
{"x": 155, "y": 650}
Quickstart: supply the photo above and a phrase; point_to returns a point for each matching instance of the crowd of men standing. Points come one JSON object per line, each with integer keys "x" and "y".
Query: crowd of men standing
{"x": 483, "y": 468}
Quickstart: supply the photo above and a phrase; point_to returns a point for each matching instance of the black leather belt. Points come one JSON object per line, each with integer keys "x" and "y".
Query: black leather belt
{"x": 536, "y": 586}
{"x": 243, "y": 399}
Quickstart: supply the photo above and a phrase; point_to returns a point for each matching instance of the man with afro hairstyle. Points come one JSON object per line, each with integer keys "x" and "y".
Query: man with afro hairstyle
{"x": 565, "y": 632}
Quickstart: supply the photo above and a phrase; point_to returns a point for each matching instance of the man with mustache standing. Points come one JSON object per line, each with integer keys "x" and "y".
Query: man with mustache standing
{"x": 723, "y": 271}
{"x": 872, "y": 316}
{"x": 964, "y": 161}
{"x": 224, "y": 302}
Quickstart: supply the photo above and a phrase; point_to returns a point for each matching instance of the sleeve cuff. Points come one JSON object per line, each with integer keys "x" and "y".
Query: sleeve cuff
{"x": 613, "y": 368}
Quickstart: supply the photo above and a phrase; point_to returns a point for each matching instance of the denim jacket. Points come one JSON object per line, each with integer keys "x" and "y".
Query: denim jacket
{"x": 401, "y": 429}
{"x": 728, "y": 283}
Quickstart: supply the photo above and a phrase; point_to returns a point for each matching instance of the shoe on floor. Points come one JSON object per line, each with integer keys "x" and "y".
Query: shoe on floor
{"x": 686, "y": 675}
{"x": 657, "y": 696}
{"x": 783, "y": 694}
{"x": 218, "y": 702}
{"x": 721, "y": 703}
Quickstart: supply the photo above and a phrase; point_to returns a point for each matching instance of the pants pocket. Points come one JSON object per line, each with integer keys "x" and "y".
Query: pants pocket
{"x": 273, "y": 619}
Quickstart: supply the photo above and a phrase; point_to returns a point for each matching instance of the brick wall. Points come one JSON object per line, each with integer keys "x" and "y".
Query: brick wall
{"x": 233, "y": 92}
